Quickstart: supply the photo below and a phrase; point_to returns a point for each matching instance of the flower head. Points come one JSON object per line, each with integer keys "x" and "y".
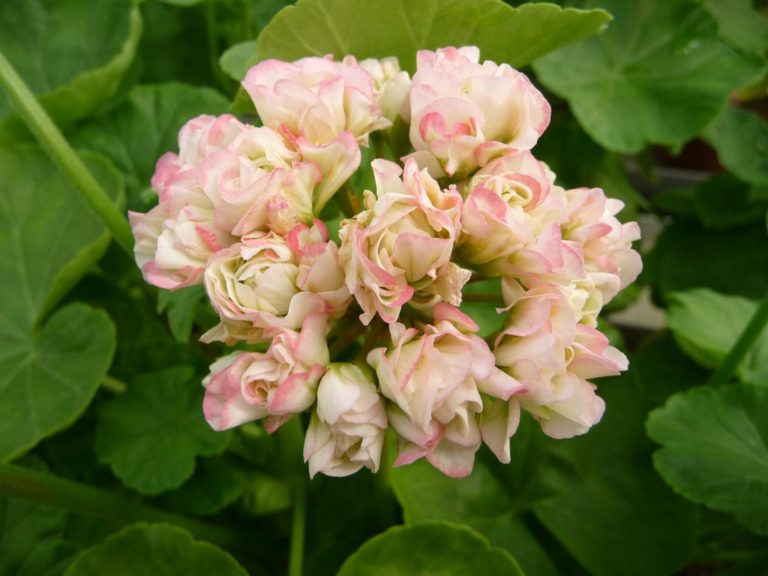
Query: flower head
{"x": 348, "y": 426}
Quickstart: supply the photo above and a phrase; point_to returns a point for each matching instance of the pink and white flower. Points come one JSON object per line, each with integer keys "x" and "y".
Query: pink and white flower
{"x": 247, "y": 386}
{"x": 270, "y": 281}
{"x": 545, "y": 349}
{"x": 315, "y": 99}
{"x": 464, "y": 114}
{"x": 204, "y": 135}
{"x": 391, "y": 85}
{"x": 258, "y": 184}
{"x": 398, "y": 250}
{"x": 348, "y": 426}
{"x": 512, "y": 207}
{"x": 175, "y": 238}
{"x": 435, "y": 376}
{"x": 606, "y": 244}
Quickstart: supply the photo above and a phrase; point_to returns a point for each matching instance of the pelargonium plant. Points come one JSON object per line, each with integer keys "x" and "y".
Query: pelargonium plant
{"x": 364, "y": 329}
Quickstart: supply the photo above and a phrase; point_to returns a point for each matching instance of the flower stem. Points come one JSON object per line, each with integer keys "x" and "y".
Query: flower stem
{"x": 292, "y": 443}
{"x": 213, "y": 47}
{"x": 97, "y": 503}
{"x": 298, "y": 527}
{"x": 57, "y": 147}
{"x": 113, "y": 384}
{"x": 746, "y": 340}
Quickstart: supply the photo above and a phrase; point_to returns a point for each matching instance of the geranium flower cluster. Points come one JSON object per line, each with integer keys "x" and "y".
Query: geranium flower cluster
{"x": 367, "y": 333}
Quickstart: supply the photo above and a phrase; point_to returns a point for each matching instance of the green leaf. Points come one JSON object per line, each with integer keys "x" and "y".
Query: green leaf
{"x": 687, "y": 255}
{"x": 741, "y": 140}
{"x": 141, "y": 333}
{"x": 71, "y": 53}
{"x": 184, "y": 3}
{"x": 151, "y": 434}
{"x": 31, "y": 539}
{"x": 661, "y": 369}
{"x": 724, "y": 202}
{"x": 47, "y": 378}
{"x": 43, "y": 219}
{"x": 740, "y": 24}
{"x": 144, "y": 127}
{"x": 484, "y": 313}
{"x": 715, "y": 449}
{"x": 478, "y": 501}
{"x": 433, "y": 548}
{"x": 166, "y": 53}
{"x": 216, "y": 484}
{"x": 265, "y": 494}
{"x": 593, "y": 166}
{"x": 156, "y": 549}
{"x": 378, "y": 28}
{"x": 48, "y": 240}
{"x": 657, "y": 76}
{"x": 756, "y": 565}
{"x": 707, "y": 324}
{"x": 234, "y": 61}
{"x": 613, "y": 512}
{"x": 181, "y": 306}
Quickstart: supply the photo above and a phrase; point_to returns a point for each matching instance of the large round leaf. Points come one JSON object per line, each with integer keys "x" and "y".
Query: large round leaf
{"x": 151, "y": 434}
{"x": 377, "y": 28}
{"x": 48, "y": 378}
{"x": 715, "y": 449}
{"x": 658, "y": 75}
{"x": 156, "y": 549}
{"x": 429, "y": 549}
{"x": 48, "y": 239}
{"x": 71, "y": 53}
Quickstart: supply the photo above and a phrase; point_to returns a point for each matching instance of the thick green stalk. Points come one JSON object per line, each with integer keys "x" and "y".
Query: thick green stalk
{"x": 743, "y": 345}
{"x": 97, "y": 503}
{"x": 57, "y": 147}
{"x": 291, "y": 440}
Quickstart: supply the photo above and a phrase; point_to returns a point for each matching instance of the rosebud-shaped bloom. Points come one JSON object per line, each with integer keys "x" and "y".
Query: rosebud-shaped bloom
{"x": 606, "y": 244}
{"x": 391, "y": 86}
{"x": 316, "y": 99}
{"x": 204, "y": 135}
{"x": 324, "y": 108}
{"x": 508, "y": 206}
{"x": 247, "y": 386}
{"x": 434, "y": 377}
{"x": 512, "y": 223}
{"x": 348, "y": 426}
{"x": 463, "y": 113}
{"x": 544, "y": 348}
{"x": 271, "y": 281}
{"x": 398, "y": 250}
{"x": 175, "y": 238}
{"x": 258, "y": 184}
